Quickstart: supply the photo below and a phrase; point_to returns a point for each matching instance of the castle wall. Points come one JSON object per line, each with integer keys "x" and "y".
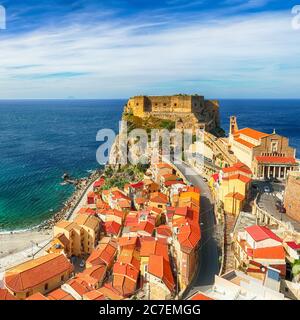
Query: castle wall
{"x": 192, "y": 110}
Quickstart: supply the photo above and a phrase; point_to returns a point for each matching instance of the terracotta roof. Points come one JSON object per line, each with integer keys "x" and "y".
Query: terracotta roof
{"x": 6, "y": 295}
{"x": 260, "y": 233}
{"x": 130, "y": 256}
{"x": 189, "y": 235}
{"x": 97, "y": 272}
{"x": 125, "y": 278}
{"x": 145, "y": 226}
{"x": 128, "y": 241}
{"x": 110, "y": 293}
{"x": 104, "y": 253}
{"x": 159, "y": 197}
{"x": 161, "y": 268}
{"x": 140, "y": 200}
{"x": 164, "y": 230}
{"x": 151, "y": 246}
{"x": 170, "y": 183}
{"x": 37, "y": 296}
{"x": 162, "y": 165}
{"x": 254, "y": 134}
{"x": 87, "y": 221}
{"x": 269, "y": 253}
{"x": 245, "y": 143}
{"x": 78, "y": 286}
{"x": 124, "y": 203}
{"x": 36, "y": 272}
{"x": 87, "y": 211}
{"x": 235, "y": 195}
{"x": 112, "y": 227}
{"x": 137, "y": 185}
{"x": 293, "y": 245}
{"x": 268, "y": 159}
{"x": 94, "y": 295}
{"x": 201, "y": 296}
{"x": 184, "y": 212}
{"x": 99, "y": 183}
{"x": 60, "y": 294}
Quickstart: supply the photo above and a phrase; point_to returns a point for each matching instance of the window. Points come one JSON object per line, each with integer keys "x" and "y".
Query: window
{"x": 62, "y": 278}
{"x": 46, "y": 286}
{"x": 27, "y": 294}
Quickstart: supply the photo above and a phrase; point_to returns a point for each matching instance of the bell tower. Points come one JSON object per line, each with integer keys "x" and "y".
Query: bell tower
{"x": 233, "y": 126}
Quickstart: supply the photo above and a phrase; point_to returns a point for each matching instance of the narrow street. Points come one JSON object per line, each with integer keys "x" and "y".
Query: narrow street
{"x": 208, "y": 252}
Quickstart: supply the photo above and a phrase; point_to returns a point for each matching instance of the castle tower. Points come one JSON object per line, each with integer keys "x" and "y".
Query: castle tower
{"x": 233, "y": 126}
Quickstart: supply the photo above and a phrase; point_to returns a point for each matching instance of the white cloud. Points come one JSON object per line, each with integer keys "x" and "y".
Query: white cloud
{"x": 247, "y": 56}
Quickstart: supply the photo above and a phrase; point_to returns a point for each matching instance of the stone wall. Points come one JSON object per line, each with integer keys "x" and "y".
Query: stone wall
{"x": 292, "y": 196}
{"x": 190, "y": 111}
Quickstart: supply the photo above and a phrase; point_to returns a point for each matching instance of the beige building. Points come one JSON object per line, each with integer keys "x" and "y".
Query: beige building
{"x": 267, "y": 155}
{"x": 292, "y": 196}
{"x": 82, "y": 234}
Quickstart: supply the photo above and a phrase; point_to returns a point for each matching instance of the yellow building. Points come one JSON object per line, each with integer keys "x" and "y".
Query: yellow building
{"x": 42, "y": 275}
{"x": 82, "y": 234}
{"x": 233, "y": 190}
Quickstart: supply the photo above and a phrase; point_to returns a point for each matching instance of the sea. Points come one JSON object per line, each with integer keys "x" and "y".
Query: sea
{"x": 40, "y": 140}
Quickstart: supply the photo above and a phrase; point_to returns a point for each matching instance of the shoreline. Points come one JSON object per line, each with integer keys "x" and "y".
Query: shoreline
{"x": 19, "y": 245}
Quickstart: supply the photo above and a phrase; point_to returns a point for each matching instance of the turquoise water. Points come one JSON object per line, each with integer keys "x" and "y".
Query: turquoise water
{"x": 40, "y": 140}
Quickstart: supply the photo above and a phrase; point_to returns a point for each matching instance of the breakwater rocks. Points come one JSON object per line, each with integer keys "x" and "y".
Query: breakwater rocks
{"x": 71, "y": 203}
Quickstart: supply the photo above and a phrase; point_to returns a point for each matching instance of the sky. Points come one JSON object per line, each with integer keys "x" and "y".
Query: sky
{"x": 120, "y": 48}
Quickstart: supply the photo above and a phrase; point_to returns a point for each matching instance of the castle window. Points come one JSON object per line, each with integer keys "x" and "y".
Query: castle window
{"x": 175, "y": 104}
{"x": 165, "y": 104}
{"x": 137, "y": 103}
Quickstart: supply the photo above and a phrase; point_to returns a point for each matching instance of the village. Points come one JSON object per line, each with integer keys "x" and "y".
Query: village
{"x": 144, "y": 240}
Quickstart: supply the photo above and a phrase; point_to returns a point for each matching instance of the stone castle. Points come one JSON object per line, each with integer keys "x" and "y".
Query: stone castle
{"x": 188, "y": 111}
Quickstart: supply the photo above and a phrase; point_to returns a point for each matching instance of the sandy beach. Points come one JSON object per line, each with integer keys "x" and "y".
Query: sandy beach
{"x": 17, "y": 247}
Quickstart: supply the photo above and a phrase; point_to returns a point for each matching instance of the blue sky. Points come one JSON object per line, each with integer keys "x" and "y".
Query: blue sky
{"x": 118, "y": 48}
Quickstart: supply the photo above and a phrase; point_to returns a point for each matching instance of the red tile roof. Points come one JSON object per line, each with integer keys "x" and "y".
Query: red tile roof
{"x": 260, "y": 233}
{"x": 60, "y": 294}
{"x": 128, "y": 242}
{"x": 138, "y": 185}
{"x": 125, "y": 278}
{"x": 269, "y": 253}
{"x": 293, "y": 245}
{"x": 170, "y": 183}
{"x": 184, "y": 212}
{"x": 94, "y": 295}
{"x": 151, "y": 246}
{"x": 159, "y": 197}
{"x": 144, "y": 226}
{"x": 188, "y": 236}
{"x": 254, "y": 134}
{"x": 35, "y": 272}
{"x": 161, "y": 268}
{"x": 268, "y": 159}
{"x": 103, "y": 254}
{"x": 6, "y": 295}
{"x": 164, "y": 230}
{"x": 78, "y": 286}
{"x": 112, "y": 227}
{"x": 99, "y": 183}
{"x": 244, "y": 142}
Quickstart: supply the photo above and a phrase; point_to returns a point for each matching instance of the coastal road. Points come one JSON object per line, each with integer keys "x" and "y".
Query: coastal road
{"x": 208, "y": 265}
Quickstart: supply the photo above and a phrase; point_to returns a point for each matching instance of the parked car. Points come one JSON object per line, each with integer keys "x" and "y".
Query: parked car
{"x": 204, "y": 179}
{"x": 267, "y": 189}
